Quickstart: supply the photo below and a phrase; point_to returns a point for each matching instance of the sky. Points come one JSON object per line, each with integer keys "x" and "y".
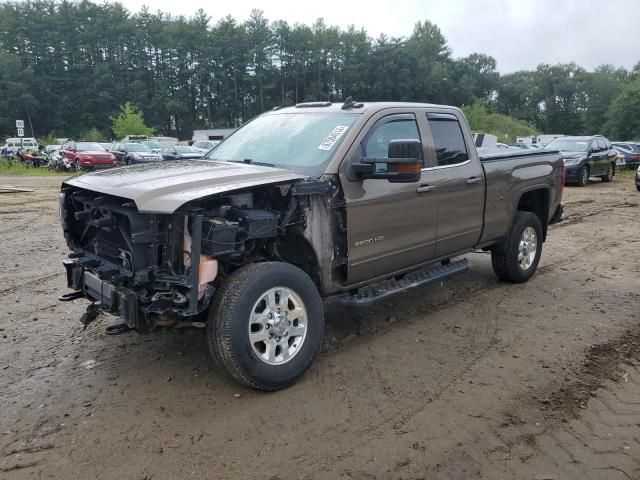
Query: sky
{"x": 519, "y": 34}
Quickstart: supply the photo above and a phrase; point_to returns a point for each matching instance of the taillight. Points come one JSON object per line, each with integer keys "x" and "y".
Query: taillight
{"x": 635, "y": 157}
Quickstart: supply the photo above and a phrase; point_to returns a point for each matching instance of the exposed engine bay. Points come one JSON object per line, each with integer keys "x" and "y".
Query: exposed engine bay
{"x": 162, "y": 269}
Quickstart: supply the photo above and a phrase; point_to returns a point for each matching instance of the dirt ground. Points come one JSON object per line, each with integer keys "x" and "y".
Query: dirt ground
{"x": 469, "y": 379}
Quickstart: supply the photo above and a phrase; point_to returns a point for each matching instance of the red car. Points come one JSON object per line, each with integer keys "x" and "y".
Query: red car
{"x": 88, "y": 155}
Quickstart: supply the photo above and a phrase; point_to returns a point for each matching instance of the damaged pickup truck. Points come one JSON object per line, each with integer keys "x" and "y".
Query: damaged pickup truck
{"x": 347, "y": 203}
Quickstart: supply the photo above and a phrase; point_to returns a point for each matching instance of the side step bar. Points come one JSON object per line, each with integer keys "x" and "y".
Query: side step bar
{"x": 371, "y": 294}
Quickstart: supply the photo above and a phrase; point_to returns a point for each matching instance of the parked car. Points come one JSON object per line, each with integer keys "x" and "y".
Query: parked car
{"x": 26, "y": 144}
{"x": 181, "y": 152}
{"x": 586, "y": 157}
{"x": 134, "y": 152}
{"x": 638, "y": 179}
{"x": 205, "y": 145}
{"x": 631, "y": 152}
{"x": 350, "y": 203}
{"x": 87, "y": 155}
{"x": 154, "y": 145}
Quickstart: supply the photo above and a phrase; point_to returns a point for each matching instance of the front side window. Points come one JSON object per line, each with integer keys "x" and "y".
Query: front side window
{"x": 376, "y": 144}
{"x": 448, "y": 139}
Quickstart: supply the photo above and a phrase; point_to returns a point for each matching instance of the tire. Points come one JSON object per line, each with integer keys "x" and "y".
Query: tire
{"x": 583, "y": 176}
{"x": 638, "y": 187}
{"x": 77, "y": 165}
{"x": 243, "y": 297}
{"x": 506, "y": 261}
{"x": 611, "y": 171}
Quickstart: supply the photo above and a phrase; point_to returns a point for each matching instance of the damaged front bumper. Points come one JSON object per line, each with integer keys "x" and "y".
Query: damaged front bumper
{"x": 110, "y": 298}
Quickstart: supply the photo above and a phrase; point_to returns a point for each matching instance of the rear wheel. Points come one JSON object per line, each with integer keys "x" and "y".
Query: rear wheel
{"x": 517, "y": 260}
{"x": 583, "y": 176}
{"x": 77, "y": 166}
{"x": 266, "y": 324}
{"x": 610, "y": 173}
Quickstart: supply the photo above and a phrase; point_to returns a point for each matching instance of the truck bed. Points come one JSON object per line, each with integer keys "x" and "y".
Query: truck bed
{"x": 507, "y": 175}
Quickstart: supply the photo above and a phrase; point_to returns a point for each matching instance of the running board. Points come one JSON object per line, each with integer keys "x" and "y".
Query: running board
{"x": 373, "y": 293}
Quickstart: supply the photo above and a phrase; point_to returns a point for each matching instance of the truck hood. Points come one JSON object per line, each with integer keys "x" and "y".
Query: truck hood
{"x": 163, "y": 187}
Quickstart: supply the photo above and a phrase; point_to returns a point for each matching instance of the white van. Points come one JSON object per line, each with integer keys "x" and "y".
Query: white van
{"x": 28, "y": 143}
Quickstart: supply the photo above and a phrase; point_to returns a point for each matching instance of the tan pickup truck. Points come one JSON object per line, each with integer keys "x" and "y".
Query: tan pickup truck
{"x": 321, "y": 202}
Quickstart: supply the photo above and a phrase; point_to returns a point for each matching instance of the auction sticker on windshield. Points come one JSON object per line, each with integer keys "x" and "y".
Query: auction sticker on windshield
{"x": 333, "y": 137}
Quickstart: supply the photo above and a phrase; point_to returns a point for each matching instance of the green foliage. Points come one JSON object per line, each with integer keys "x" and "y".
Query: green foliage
{"x": 128, "y": 122}
{"x": 18, "y": 168}
{"x": 623, "y": 117}
{"x": 502, "y": 126}
{"x": 50, "y": 139}
{"x": 93, "y": 135}
{"x": 69, "y": 65}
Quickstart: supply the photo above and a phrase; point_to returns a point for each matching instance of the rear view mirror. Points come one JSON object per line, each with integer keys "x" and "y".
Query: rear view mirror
{"x": 402, "y": 165}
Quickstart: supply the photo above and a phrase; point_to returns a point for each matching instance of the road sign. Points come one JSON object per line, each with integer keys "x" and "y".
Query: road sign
{"x": 21, "y": 132}
{"x": 19, "y": 123}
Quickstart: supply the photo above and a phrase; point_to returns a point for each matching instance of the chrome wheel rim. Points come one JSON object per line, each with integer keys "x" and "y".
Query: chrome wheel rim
{"x": 278, "y": 325}
{"x": 585, "y": 176}
{"x": 610, "y": 173}
{"x": 527, "y": 248}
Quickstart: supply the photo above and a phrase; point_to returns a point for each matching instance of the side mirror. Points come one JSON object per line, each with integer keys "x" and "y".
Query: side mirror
{"x": 402, "y": 165}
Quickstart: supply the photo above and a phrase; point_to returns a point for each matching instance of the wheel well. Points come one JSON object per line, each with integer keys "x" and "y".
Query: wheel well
{"x": 297, "y": 250}
{"x": 537, "y": 202}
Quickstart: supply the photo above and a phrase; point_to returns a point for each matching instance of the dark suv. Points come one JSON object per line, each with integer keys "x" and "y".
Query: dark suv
{"x": 586, "y": 157}
{"x": 631, "y": 152}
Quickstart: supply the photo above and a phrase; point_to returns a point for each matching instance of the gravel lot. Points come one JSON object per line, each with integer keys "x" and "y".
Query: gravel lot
{"x": 466, "y": 380}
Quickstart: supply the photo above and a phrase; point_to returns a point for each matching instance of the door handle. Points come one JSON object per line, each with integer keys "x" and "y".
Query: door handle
{"x": 473, "y": 180}
{"x": 425, "y": 188}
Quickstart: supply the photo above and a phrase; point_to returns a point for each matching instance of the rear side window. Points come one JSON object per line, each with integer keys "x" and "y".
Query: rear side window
{"x": 448, "y": 139}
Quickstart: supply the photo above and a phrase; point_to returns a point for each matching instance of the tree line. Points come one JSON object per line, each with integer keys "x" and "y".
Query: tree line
{"x": 67, "y": 67}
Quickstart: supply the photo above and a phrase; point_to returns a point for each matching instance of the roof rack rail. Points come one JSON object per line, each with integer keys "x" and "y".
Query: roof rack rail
{"x": 313, "y": 104}
{"x": 350, "y": 103}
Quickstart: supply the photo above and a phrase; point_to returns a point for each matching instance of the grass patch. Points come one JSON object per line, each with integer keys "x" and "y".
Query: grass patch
{"x": 19, "y": 169}
{"x": 626, "y": 174}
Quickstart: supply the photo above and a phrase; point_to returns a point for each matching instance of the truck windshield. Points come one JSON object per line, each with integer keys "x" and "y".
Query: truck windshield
{"x": 302, "y": 142}
{"x": 568, "y": 145}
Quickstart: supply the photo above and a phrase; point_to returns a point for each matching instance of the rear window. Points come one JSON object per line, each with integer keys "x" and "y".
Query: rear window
{"x": 448, "y": 139}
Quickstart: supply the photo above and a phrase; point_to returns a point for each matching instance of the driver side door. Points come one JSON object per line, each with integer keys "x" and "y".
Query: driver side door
{"x": 391, "y": 226}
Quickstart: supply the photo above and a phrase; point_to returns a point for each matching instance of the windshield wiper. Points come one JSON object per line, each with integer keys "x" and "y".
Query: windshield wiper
{"x": 249, "y": 161}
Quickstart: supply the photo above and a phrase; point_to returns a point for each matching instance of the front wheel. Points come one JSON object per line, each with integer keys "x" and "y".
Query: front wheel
{"x": 610, "y": 173}
{"x": 583, "y": 176}
{"x": 78, "y": 166}
{"x": 517, "y": 260}
{"x": 266, "y": 324}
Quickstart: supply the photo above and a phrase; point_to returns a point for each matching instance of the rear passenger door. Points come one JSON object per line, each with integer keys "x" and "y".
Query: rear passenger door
{"x": 458, "y": 182}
